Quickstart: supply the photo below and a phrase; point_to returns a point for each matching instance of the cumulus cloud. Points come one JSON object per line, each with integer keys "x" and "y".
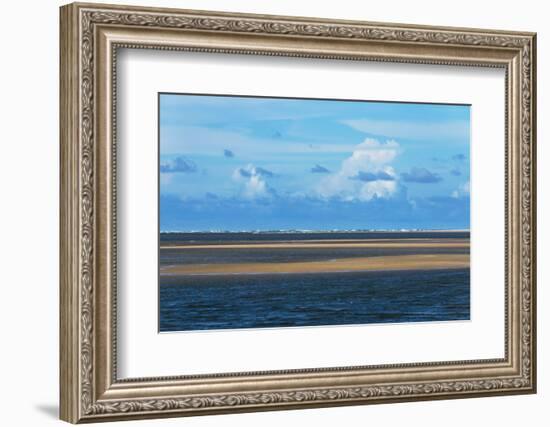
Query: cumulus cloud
{"x": 263, "y": 172}
{"x": 372, "y": 176}
{"x": 364, "y": 175}
{"x": 421, "y": 176}
{"x": 250, "y": 171}
{"x": 178, "y": 165}
{"x": 253, "y": 181}
{"x": 256, "y": 187}
{"x": 228, "y": 153}
{"x": 319, "y": 169}
{"x": 372, "y": 152}
{"x": 245, "y": 173}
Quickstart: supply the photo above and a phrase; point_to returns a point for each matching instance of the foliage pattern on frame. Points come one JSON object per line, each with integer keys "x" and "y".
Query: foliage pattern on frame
{"x": 90, "y": 18}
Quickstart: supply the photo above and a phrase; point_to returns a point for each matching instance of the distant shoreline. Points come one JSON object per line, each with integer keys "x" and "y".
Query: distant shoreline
{"x": 314, "y": 231}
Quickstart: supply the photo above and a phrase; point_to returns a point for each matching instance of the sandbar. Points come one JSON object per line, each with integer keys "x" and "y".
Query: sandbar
{"x": 380, "y": 263}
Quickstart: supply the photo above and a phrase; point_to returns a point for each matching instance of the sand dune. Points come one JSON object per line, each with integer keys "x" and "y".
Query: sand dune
{"x": 398, "y": 262}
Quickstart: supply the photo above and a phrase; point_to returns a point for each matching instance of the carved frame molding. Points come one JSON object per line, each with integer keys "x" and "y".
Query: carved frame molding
{"x": 90, "y": 37}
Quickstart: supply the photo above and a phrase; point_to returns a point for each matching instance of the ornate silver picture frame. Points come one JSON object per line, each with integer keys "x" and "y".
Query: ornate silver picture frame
{"x": 91, "y": 37}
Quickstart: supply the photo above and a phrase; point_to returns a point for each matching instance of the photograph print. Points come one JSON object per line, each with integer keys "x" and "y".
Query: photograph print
{"x": 291, "y": 212}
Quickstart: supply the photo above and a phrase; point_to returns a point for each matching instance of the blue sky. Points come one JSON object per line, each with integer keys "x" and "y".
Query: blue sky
{"x": 246, "y": 163}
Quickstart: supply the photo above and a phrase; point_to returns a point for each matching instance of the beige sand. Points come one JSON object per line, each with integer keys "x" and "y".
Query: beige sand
{"x": 398, "y": 262}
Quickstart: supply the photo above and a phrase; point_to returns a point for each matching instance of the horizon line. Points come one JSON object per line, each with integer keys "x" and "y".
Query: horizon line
{"x": 384, "y": 230}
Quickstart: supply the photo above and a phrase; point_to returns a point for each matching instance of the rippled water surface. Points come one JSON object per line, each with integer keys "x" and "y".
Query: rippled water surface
{"x": 277, "y": 300}
{"x": 233, "y": 301}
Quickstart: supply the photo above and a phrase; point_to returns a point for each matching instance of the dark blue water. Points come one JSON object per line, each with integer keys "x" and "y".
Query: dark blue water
{"x": 278, "y": 300}
{"x": 235, "y": 237}
{"x": 268, "y": 255}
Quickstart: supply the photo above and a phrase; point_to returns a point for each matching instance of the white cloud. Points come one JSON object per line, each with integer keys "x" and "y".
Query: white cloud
{"x": 253, "y": 183}
{"x": 369, "y": 156}
{"x": 382, "y": 189}
{"x": 255, "y": 187}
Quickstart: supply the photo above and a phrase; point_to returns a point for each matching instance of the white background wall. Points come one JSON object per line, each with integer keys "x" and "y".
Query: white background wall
{"x": 29, "y": 170}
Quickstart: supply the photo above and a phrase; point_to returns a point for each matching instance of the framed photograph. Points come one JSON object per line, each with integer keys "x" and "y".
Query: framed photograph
{"x": 266, "y": 212}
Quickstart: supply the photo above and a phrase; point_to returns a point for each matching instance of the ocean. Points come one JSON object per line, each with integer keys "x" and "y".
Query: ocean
{"x": 189, "y": 302}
